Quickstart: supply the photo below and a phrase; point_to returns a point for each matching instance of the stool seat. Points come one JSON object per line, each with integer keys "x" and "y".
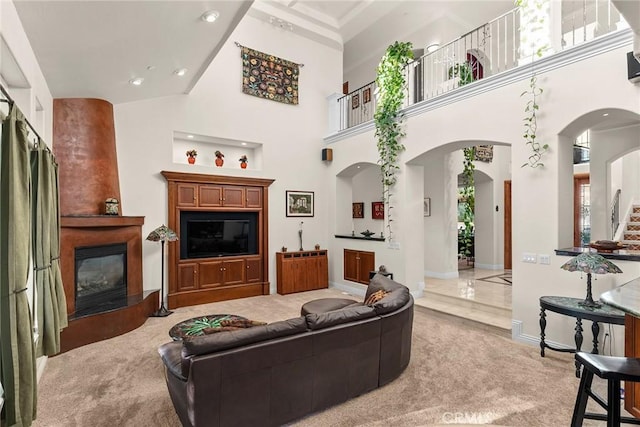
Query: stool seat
{"x": 322, "y": 305}
{"x": 612, "y": 367}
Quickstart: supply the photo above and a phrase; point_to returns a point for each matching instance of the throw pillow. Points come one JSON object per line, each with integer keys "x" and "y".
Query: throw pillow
{"x": 375, "y": 297}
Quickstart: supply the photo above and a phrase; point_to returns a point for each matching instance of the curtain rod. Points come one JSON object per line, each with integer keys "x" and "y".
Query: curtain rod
{"x": 11, "y": 103}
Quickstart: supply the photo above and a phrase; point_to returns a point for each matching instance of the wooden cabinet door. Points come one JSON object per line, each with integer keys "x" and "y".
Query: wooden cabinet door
{"x": 351, "y": 265}
{"x": 187, "y": 276}
{"x": 632, "y": 349}
{"x": 323, "y": 272}
{"x": 187, "y": 194}
{"x": 210, "y": 195}
{"x": 366, "y": 264}
{"x": 254, "y": 197}
{"x": 233, "y": 272}
{"x": 210, "y": 274}
{"x": 310, "y": 271}
{"x": 233, "y": 197}
{"x": 287, "y": 276}
{"x": 254, "y": 270}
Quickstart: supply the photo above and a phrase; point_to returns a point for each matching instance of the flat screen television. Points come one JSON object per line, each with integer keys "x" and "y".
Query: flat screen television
{"x": 217, "y": 234}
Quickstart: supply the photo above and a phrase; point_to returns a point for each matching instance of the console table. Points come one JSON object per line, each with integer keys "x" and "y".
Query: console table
{"x": 570, "y": 307}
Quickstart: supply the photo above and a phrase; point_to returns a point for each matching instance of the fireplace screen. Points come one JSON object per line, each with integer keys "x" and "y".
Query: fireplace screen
{"x": 101, "y": 278}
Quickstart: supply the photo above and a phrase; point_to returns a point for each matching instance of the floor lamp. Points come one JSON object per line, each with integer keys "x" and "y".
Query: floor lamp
{"x": 162, "y": 234}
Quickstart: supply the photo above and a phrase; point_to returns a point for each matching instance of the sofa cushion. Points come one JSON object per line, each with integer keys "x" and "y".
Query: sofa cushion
{"x": 375, "y": 297}
{"x": 380, "y": 282}
{"x": 322, "y": 305}
{"x": 392, "y": 301}
{"x": 225, "y": 340}
{"x": 317, "y": 321}
{"x": 171, "y": 354}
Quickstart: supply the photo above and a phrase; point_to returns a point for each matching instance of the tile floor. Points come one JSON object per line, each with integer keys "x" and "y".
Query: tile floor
{"x": 479, "y": 295}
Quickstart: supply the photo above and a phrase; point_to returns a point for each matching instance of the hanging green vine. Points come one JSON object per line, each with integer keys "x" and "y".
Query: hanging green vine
{"x": 532, "y": 19}
{"x": 531, "y": 124}
{"x": 391, "y": 85}
{"x": 467, "y": 195}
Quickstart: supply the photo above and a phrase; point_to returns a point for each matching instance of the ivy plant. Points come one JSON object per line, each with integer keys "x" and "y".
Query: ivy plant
{"x": 533, "y": 22}
{"x": 467, "y": 194}
{"x": 390, "y": 92}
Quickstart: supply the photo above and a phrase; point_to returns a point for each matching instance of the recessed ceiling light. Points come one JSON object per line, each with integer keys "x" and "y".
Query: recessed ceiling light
{"x": 605, "y": 114}
{"x": 151, "y": 67}
{"x": 180, "y": 72}
{"x": 137, "y": 81}
{"x": 210, "y": 16}
{"x": 190, "y": 136}
{"x": 244, "y": 143}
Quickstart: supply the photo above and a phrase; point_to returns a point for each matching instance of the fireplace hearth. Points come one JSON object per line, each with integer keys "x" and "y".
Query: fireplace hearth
{"x": 100, "y": 278}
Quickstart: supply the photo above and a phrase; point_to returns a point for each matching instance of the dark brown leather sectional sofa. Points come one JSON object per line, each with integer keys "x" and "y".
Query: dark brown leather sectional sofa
{"x": 272, "y": 374}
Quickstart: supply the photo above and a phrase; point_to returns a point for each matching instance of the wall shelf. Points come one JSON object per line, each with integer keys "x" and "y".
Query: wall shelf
{"x": 349, "y": 236}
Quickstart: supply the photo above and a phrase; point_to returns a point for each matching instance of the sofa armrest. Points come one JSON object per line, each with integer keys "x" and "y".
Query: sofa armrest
{"x": 171, "y": 354}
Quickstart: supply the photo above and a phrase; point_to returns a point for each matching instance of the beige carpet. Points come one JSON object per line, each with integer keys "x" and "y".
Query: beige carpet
{"x": 459, "y": 374}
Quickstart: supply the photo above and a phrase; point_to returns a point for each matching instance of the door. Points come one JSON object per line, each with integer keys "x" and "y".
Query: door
{"x": 210, "y": 274}
{"x": 254, "y": 197}
{"x": 187, "y": 274}
{"x": 366, "y": 264}
{"x": 254, "y": 270}
{"x": 581, "y": 210}
{"x": 233, "y": 272}
{"x": 210, "y": 195}
{"x": 350, "y": 265}
{"x": 233, "y": 197}
{"x": 507, "y": 226}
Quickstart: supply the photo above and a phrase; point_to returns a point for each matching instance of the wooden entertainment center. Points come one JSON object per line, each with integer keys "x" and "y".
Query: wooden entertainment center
{"x": 208, "y": 279}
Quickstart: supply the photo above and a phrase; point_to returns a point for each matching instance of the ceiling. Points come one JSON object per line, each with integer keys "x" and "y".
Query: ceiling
{"x": 92, "y": 49}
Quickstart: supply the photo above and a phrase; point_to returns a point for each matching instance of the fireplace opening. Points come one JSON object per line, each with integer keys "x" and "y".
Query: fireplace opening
{"x": 101, "y": 283}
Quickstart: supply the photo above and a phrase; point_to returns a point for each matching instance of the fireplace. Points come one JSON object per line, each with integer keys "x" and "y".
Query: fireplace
{"x": 100, "y": 278}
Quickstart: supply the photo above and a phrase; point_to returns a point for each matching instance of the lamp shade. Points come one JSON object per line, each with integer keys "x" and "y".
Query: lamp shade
{"x": 162, "y": 234}
{"x": 591, "y": 263}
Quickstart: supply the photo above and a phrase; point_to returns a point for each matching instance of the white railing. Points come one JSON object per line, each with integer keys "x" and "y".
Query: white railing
{"x": 487, "y": 50}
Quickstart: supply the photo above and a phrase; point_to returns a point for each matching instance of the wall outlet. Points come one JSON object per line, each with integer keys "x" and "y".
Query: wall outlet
{"x": 545, "y": 259}
{"x": 529, "y": 257}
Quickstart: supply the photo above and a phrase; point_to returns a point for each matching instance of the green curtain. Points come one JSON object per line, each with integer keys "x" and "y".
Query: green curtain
{"x": 17, "y": 350}
{"x": 51, "y": 310}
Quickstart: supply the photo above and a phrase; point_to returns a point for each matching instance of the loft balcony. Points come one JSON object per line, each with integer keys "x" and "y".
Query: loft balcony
{"x": 500, "y": 50}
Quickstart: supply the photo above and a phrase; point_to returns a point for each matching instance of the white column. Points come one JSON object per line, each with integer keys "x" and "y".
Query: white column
{"x": 334, "y": 113}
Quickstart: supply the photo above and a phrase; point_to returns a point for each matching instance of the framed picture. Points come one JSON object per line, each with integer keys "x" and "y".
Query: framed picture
{"x": 355, "y": 101}
{"x": 427, "y": 206}
{"x": 377, "y": 210}
{"x": 366, "y": 95}
{"x": 357, "y": 210}
{"x": 299, "y": 203}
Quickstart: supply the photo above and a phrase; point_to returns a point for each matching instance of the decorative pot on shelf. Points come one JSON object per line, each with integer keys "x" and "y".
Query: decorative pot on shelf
{"x": 191, "y": 156}
{"x": 219, "y": 158}
{"x": 243, "y": 162}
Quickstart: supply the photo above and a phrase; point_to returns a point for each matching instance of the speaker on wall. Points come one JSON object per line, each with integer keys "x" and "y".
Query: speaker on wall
{"x": 327, "y": 154}
{"x": 633, "y": 68}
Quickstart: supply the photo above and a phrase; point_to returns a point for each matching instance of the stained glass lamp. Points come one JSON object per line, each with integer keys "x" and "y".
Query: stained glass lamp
{"x": 589, "y": 262}
{"x": 162, "y": 234}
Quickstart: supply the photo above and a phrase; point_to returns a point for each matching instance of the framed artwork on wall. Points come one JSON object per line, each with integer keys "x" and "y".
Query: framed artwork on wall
{"x": 366, "y": 95}
{"x": 377, "y": 210}
{"x": 299, "y": 203}
{"x": 357, "y": 210}
{"x": 355, "y": 101}
{"x": 427, "y": 206}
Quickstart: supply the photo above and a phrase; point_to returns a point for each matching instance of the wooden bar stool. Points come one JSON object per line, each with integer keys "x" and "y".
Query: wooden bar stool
{"x": 613, "y": 369}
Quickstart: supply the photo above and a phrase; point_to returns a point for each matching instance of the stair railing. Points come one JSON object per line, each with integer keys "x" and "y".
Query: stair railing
{"x": 615, "y": 213}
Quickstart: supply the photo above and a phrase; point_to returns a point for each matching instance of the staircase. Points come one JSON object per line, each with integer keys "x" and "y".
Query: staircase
{"x": 631, "y": 234}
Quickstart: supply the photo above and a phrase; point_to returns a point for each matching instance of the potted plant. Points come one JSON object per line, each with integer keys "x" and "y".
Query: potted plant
{"x": 243, "y": 161}
{"x": 191, "y": 156}
{"x": 219, "y": 158}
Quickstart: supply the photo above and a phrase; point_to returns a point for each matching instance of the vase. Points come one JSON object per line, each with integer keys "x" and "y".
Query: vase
{"x": 219, "y": 162}
{"x": 243, "y": 165}
{"x": 191, "y": 160}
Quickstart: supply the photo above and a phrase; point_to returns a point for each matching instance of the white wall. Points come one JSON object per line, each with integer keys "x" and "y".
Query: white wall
{"x": 367, "y": 188}
{"x": 541, "y": 198}
{"x": 291, "y": 138}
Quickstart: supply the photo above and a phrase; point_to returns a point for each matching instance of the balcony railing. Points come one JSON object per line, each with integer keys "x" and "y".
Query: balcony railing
{"x": 485, "y": 51}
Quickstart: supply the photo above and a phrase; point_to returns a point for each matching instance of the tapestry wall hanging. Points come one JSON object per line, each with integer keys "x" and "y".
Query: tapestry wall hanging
{"x": 267, "y": 76}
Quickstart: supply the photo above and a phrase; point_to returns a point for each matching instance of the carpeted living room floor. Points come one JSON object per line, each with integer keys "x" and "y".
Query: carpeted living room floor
{"x": 459, "y": 373}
